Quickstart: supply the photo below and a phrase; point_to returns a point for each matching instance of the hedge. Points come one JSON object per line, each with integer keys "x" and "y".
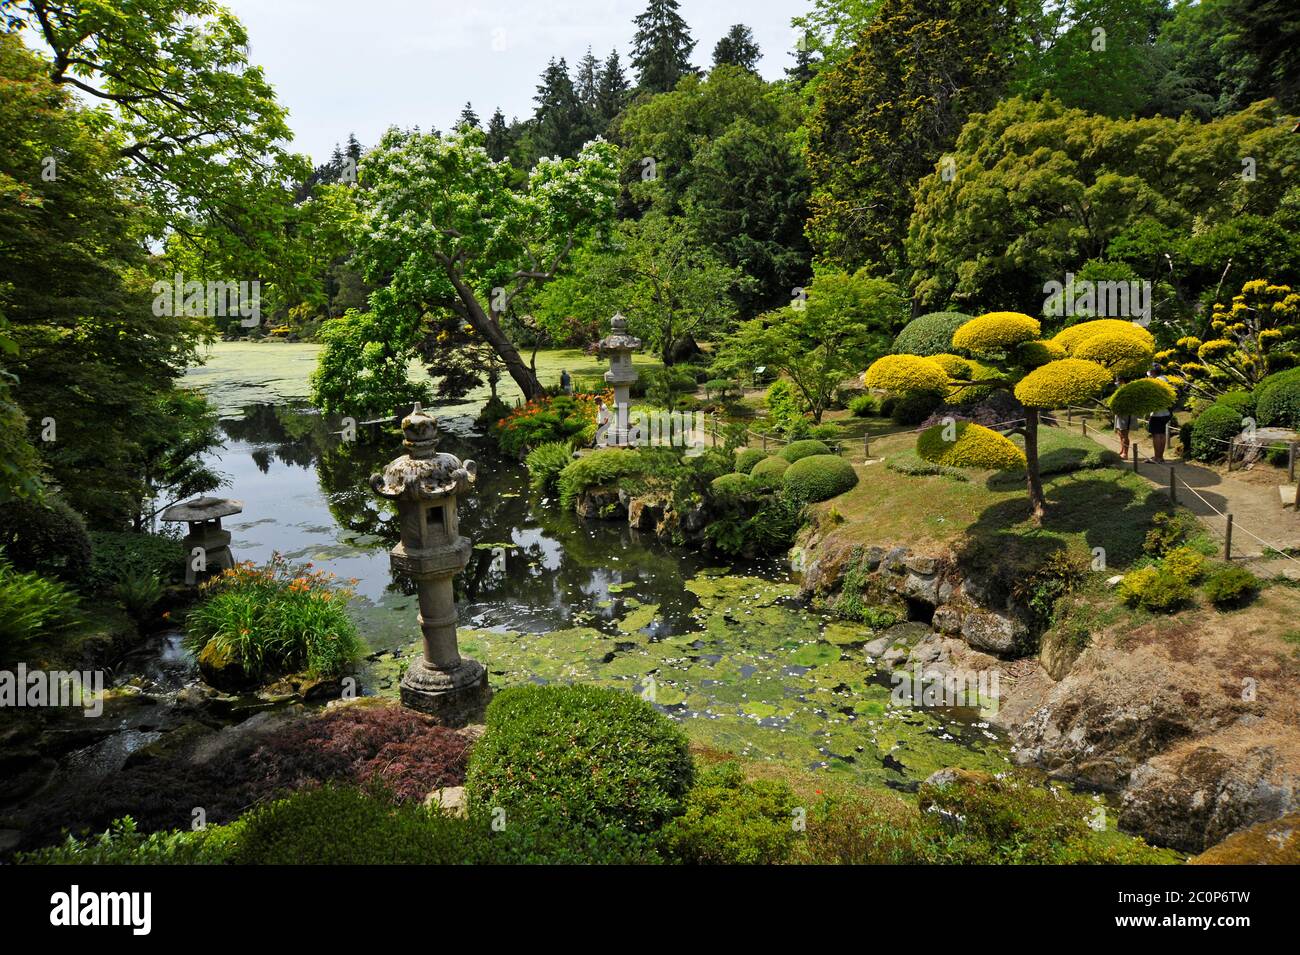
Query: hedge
{"x": 819, "y": 477}
{"x": 1214, "y": 428}
{"x": 588, "y": 756}
{"x": 1277, "y": 400}
{"x": 973, "y": 446}
{"x": 929, "y": 334}
{"x": 795, "y": 450}
{"x": 747, "y": 458}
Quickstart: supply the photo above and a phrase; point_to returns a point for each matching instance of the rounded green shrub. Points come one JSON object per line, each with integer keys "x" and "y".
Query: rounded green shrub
{"x": 795, "y": 450}
{"x": 767, "y": 473}
{"x": 1277, "y": 400}
{"x": 1142, "y": 397}
{"x": 597, "y": 469}
{"x": 1184, "y": 563}
{"x": 929, "y": 334}
{"x": 747, "y": 458}
{"x": 1156, "y": 589}
{"x": 905, "y": 374}
{"x": 731, "y": 485}
{"x": 589, "y": 756}
{"x": 1214, "y": 428}
{"x": 1243, "y": 401}
{"x": 996, "y": 333}
{"x": 819, "y": 477}
{"x": 730, "y": 821}
{"x": 973, "y": 446}
{"x": 1231, "y": 587}
{"x": 912, "y": 409}
{"x": 46, "y": 537}
{"x": 1063, "y": 382}
{"x": 862, "y": 406}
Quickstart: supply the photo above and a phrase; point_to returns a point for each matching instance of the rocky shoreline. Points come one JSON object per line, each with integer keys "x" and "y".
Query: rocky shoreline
{"x": 1195, "y": 734}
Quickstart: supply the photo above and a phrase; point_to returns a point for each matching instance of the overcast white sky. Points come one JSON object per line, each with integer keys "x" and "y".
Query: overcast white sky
{"x": 342, "y": 66}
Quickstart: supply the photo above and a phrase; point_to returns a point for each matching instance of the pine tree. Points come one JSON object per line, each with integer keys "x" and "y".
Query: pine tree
{"x": 468, "y": 118}
{"x": 586, "y": 77}
{"x": 737, "y": 48}
{"x": 498, "y": 140}
{"x": 661, "y": 49}
{"x": 354, "y": 148}
{"x": 559, "y": 116}
{"x": 805, "y": 64}
{"x": 611, "y": 89}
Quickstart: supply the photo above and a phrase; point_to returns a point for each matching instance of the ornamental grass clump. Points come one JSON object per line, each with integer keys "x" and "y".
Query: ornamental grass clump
{"x": 272, "y": 620}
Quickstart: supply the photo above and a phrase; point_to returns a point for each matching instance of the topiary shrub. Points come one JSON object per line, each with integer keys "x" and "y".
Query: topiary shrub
{"x": 906, "y": 374}
{"x": 545, "y": 462}
{"x": 1215, "y": 427}
{"x": 592, "y": 756}
{"x": 598, "y": 469}
{"x": 912, "y": 409}
{"x": 1277, "y": 400}
{"x": 1243, "y": 401}
{"x": 731, "y": 485}
{"x": 1156, "y": 589}
{"x": 1122, "y": 354}
{"x": 1142, "y": 397}
{"x": 929, "y": 334}
{"x": 1062, "y": 382}
{"x": 729, "y": 821}
{"x": 1231, "y": 587}
{"x": 973, "y": 446}
{"x": 819, "y": 477}
{"x": 1074, "y": 336}
{"x": 767, "y": 473}
{"x": 747, "y": 458}
{"x": 795, "y": 450}
{"x": 46, "y": 537}
{"x": 994, "y": 334}
{"x": 1184, "y": 563}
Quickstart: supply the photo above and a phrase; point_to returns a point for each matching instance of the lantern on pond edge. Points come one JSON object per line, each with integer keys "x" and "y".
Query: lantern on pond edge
{"x": 424, "y": 483}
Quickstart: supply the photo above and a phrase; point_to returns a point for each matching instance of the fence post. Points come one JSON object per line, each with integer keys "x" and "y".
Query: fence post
{"x": 1232, "y": 450}
{"x": 1069, "y": 414}
{"x": 1083, "y": 428}
{"x": 1173, "y": 486}
{"x": 1290, "y": 463}
{"x": 866, "y": 447}
{"x": 715, "y": 431}
{"x": 764, "y": 442}
{"x": 1134, "y": 448}
{"x": 1227, "y": 540}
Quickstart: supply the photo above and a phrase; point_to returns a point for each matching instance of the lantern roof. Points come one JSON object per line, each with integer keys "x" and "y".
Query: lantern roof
{"x": 202, "y": 509}
{"x": 618, "y": 339}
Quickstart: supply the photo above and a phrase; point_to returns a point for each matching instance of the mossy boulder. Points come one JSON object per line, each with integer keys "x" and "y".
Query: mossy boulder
{"x": 222, "y": 669}
{"x": 1265, "y": 843}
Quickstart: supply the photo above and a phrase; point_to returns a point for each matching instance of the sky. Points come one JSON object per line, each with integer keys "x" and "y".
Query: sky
{"x": 342, "y": 66}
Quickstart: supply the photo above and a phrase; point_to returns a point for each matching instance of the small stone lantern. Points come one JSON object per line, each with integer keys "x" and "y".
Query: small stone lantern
{"x": 425, "y": 484}
{"x": 206, "y": 539}
{"x": 619, "y": 345}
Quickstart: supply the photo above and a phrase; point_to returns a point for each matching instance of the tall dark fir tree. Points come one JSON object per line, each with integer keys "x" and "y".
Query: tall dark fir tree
{"x": 737, "y": 48}
{"x": 498, "y": 140}
{"x": 661, "y": 48}
{"x": 468, "y": 119}
{"x": 611, "y": 89}
{"x": 558, "y": 123}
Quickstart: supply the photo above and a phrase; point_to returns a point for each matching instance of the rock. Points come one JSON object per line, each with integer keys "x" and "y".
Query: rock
{"x": 895, "y": 560}
{"x": 947, "y": 620}
{"x": 1196, "y": 798}
{"x": 876, "y": 647}
{"x": 1275, "y": 842}
{"x": 645, "y": 513}
{"x": 169, "y": 744}
{"x": 221, "y": 669}
{"x": 1057, "y": 653}
{"x": 600, "y": 503}
{"x": 1115, "y": 581}
{"x": 925, "y": 566}
{"x": 873, "y": 557}
{"x": 449, "y": 799}
{"x": 921, "y": 588}
{"x": 694, "y": 520}
{"x": 992, "y": 632}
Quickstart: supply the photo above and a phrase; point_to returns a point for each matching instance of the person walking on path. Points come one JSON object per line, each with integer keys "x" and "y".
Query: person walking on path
{"x": 566, "y": 382}
{"x": 1158, "y": 423}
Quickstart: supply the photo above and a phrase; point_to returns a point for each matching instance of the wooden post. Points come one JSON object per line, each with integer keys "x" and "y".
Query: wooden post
{"x": 1134, "y": 448}
{"x": 1227, "y": 540}
{"x": 1173, "y": 486}
{"x": 1069, "y": 414}
{"x": 866, "y": 447}
{"x": 1290, "y": 463}
{"x": 1232, "y": 448}
{"x": 1083, "y": 428}
{"x": 715, "y": 431}
{"x": 765, "y": 442}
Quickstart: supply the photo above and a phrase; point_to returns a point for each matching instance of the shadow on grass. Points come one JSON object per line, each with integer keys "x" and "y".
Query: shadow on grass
{"x": 1094, "y": 511}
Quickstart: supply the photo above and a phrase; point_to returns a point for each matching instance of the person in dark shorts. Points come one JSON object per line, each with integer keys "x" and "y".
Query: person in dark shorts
{"x": 566, "y": 382}
{"x": 1158, "y": 423}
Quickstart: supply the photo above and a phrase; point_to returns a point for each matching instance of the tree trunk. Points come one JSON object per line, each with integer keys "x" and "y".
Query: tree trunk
{"x": 1033, "y": 479}
{"x": 494, "y": 336}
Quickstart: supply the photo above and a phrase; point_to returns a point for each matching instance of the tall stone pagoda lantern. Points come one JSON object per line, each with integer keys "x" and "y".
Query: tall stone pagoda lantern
{"x": 619, "y": 345}
{"x": 425, "y": 484}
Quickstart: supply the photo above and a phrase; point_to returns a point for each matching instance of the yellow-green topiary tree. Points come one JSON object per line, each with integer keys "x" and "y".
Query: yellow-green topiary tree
{"x": 1007, "y": 352}
{"x": 1258, "y": 334}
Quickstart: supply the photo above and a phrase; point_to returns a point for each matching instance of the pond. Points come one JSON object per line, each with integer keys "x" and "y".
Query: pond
{"x": 549, "y": 597}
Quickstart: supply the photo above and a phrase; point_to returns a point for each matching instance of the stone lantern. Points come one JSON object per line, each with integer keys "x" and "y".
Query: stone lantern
{"x": 425, "y": 484}
{"x": 619, "y": 345}
{"x": 206, "y": 539}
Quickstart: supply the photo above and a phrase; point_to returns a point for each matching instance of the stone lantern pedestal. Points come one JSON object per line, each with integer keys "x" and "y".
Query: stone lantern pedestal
{"x": 425, "y": 483}
{"x": 619, "y": 345}
{"x": 206, "y": 538}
